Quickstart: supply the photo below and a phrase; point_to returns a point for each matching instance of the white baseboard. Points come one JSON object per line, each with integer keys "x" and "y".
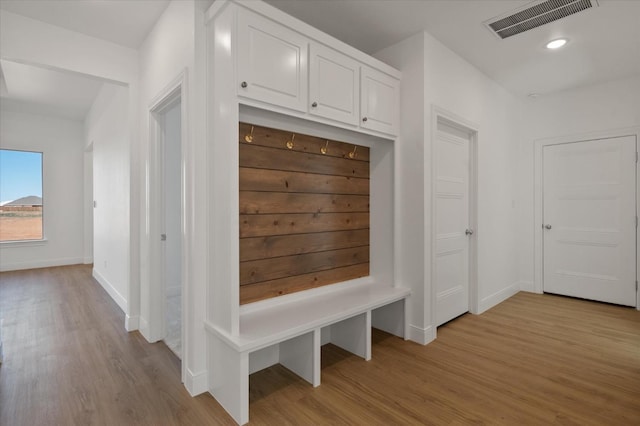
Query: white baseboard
{"x": 498, "y": 297}
{"x": 196, "y": 383}
{"x": 111, "y": 290}
{"x": 420, "y": 335}
{"x": 34, "y": 264}
{"x": 88, "y": 260}
{"x": 143, "y": 328}
{"x": 131, "y": 323}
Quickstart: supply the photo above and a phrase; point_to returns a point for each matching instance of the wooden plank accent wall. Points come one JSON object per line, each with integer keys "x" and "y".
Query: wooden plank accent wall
{"x": 304, "y": 215}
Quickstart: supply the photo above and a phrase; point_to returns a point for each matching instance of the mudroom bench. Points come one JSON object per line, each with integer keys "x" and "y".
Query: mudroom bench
{"x": 292, "y": 334}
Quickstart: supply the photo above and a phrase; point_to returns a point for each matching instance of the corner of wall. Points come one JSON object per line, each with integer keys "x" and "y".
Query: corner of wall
{"x": 111, "y": 290}
{"x": 131, "y": 323}
{"x": 498, "y": 297}
{"x": 196, "y": 383}
{"x": 421, "y": 336}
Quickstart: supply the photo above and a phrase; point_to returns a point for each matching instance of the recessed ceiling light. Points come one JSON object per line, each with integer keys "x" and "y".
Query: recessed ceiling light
{"x": 557, "y": 43}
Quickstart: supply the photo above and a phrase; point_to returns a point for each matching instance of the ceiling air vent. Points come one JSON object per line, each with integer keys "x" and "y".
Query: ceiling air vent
{"x": 542, "y": 12}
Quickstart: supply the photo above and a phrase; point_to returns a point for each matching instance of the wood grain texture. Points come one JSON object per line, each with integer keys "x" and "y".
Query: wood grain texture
{"x": 276, "y": 138}
{"x": 280, "y": 287}
{"x": 287, "y": 245}
{"x": 255, "y": 271}
{"x": 532, "y": 360}
{"x": 260, "y": 157}
{"x": 254, "y": 202}
{"x": 69, "y": 361}
{"x": 294, "y": 202}
{"x": 286, "y": 224}
{"x": 279, "y": 181}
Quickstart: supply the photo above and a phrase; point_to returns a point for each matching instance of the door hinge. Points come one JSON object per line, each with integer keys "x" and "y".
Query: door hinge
{"x": 636, "y": 222}
{"x": 636, "y": 156}
{"x": 636, "y": 285}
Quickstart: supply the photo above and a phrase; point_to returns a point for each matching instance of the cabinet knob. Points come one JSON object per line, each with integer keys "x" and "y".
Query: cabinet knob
{"x": 244, "y": 84}
{"x": 364, "y": 119}
{"x": 315, "y": 104}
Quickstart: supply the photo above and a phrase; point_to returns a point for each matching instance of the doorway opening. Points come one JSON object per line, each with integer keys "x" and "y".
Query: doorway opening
{"x": 166, "y": 220}
{"x": 453, "y": 212}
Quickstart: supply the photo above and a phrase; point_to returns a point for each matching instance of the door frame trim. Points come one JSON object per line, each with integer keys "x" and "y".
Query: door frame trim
{"x": 454, "y": 120}
{"x": 538, "y": 146}
{"x": 175, "y": 91}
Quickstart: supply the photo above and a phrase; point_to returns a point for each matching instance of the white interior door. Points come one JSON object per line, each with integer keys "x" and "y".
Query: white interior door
{"x": 452, "y": 231}
{"x": 172, "y": 226}
{"x": 589, "y": 220}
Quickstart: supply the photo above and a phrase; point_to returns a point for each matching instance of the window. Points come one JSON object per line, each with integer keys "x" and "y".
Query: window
{"x": 20, "y": 195}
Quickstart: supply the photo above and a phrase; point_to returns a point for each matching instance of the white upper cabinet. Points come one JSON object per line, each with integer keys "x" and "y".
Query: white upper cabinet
{"x": 285, "y": 68}
{"x": 379, "y": 101}
{"x": 272, "y": 62}
{"x": 334, "y": 91}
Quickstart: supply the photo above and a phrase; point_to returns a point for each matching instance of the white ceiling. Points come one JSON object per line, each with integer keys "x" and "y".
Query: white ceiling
{"x": 124, "y": 22}
{"x": 604, "y": 41}
{"x": 26, "y": 88}
{"x": 32, "y": 89}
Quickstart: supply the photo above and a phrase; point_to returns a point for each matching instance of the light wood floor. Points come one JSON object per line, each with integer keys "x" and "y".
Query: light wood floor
{"x": 534, "y": 359}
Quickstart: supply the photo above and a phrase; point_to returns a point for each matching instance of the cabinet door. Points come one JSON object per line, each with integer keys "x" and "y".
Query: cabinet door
{"x": 334, "y": 91}
{"x": 379, "y": 101}
{"x": 272, "y": 62}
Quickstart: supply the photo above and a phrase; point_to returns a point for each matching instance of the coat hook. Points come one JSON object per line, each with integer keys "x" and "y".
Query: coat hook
{"x": 249, "y": 138}
{"x": 290, "y": 143}
{"x": 325, "y": 148}
{"x": 352, "y": 154}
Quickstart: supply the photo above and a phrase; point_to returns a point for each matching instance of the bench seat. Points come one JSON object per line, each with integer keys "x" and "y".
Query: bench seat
{"x": 292, "y": 330}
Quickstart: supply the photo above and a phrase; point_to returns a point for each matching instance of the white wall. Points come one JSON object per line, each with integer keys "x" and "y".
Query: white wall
{"x": 61, "y": 142}
{"x": 435, "y": 76}
{"x": 106, "y": 131}
{"x": 578, "y": 112}
{"x": 167, "y": 52}
{"x": 408, "y": 56}
{"x": 88, "y": 205}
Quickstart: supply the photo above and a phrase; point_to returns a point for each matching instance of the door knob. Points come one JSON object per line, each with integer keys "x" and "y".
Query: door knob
{"x": 469, "y": 232}
{"x": 244, "y": 84}
{"x": 364, "y": 118}
{"x": 315, "y": 104}
{"x": 547, "y": 226}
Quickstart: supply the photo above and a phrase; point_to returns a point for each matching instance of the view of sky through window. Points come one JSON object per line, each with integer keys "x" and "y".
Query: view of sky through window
{"x": 20, "y": 195}
{"x": 20, "y": 174}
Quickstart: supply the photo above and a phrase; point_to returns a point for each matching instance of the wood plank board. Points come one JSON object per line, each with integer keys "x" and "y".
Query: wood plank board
{"x": 281, "y": 181}
{"x": 254, "y": 271}
{"x": 280, "y": 287}
{"x": 257, "y": 202}
{"x": 303, "y": 223}
{"x": 276, "y": 138}
{"x": 287, "y": 245}
{"x": 261, "y": 157}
